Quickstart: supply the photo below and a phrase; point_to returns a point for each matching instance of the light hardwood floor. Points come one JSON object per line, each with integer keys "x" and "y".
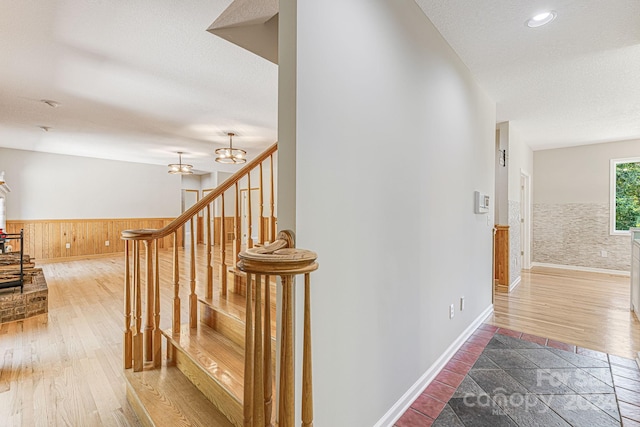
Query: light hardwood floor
{"x": 586, "y": 309}
{"x": 66, "y": 369}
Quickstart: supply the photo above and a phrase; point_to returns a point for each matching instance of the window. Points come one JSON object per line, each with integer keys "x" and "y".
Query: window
{"x": 625, "y": 194}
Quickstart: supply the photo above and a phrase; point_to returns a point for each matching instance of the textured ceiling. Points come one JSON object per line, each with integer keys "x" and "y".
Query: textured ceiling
{"x": 141, "y": 80}
{"x": 574, "y": 81}
{"x": 136, "y": 81}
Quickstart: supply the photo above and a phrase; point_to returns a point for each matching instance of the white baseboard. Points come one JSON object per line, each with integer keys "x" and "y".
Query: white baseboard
{"x": 579, "y": 268}
{"x": 515, "y": 283}
{"x": 401, "y": 406}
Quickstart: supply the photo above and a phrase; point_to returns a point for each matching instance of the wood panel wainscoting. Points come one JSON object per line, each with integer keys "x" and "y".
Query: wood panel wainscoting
{"x": 46, "y": 239}
{"x": 228, "y": 227}
{"x": 501, "y": 258}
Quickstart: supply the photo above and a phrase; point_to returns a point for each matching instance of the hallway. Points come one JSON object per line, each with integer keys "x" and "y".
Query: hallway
{"x": 590, "y": 310}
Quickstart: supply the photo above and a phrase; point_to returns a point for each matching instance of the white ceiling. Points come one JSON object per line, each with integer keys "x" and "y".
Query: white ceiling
{"x": 573, "y": 81}
{"x": 140, "y": 80}
{"x": 136, "y": 80}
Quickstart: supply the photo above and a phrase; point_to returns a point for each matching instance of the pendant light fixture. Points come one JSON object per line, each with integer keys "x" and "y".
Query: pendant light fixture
{"x": 180, "y": 168}
{"x": 231, "y": 155}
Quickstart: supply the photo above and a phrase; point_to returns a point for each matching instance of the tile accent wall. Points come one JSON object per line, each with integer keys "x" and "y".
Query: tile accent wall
{"x": 575, "y": 234}
{"x": 514, "y": 241}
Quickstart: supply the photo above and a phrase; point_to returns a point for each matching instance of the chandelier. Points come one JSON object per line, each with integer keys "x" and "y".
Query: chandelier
{"x": 231, "y": 155}
{"x": 180, "y": 168}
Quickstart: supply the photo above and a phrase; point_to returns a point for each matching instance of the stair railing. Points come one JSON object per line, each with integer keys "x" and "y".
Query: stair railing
{"x": 143, "y": 345}
{"x": 281, "y": 258}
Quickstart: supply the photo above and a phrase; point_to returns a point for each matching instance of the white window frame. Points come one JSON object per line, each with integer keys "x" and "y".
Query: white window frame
{"x": 612, "y": 194}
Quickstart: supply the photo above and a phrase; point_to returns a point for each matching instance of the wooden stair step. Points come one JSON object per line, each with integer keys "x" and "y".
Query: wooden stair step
{"x": 165, "y": 397}
{"x": 214, "y": 364}
{"x": 234, "y": 304}
{"x": 226, "y": 316}
{"x": 232, "y": 327}
{"x": 223, "y": 322}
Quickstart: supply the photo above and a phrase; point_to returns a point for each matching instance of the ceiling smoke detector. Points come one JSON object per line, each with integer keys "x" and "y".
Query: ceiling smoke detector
{"x": 50, "y": 103}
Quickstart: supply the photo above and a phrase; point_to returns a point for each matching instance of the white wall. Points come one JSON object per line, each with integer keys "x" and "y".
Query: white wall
{"x": 393, "y": 137}
{"x": 190, "y": 182}
{"x": 571, "y": 206}
{"x": 520, "y": 160}
{"x": 502, "y": 176}
{"x": 54, "y": 186}
{"x": 578, "y": 174}
{"x": 208, "y": 181}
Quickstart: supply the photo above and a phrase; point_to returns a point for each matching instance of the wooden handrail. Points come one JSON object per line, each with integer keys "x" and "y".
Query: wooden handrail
{"x": 150, "y": 234}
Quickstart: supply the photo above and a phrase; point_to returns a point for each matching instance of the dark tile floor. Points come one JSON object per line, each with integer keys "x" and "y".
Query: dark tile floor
{"x": 501, "y": 377}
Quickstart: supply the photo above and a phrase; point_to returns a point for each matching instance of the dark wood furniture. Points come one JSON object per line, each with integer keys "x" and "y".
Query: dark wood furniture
{"x": 19, "y": 278}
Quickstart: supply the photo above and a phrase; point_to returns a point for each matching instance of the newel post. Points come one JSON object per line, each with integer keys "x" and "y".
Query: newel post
{"x": 283, "y": 259}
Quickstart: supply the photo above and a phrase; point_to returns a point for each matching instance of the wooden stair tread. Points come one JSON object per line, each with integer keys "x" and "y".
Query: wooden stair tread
{"x": 167, "y": 398}
{"x": 234, "y": 305}
{"x": 220, "y": 358}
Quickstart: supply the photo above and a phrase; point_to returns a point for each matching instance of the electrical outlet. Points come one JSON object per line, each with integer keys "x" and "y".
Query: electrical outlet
{"x": 603, "y": 254}
{"x": 106, "y": 243}
{"x": 451, "y": 311}
{"x": 461, "y": 303}
{"x": 68, "y": 246}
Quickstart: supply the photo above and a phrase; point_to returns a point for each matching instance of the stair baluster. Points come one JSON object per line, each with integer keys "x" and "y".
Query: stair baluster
{"x": 236, "y": 230}
{"x": 148, "y": 327}
{"x": 283, "y": 259}
{"x": 137, "y": 337}
{"x": 223, "y": 250}
{"x": 268, "y": 374}
{"x": 128, "y": 335}
{"x": 157, "y": 335}
{"x": 248, "y": 358}
{"x": 193, "y": 298}
{"x": 249, "y": 214}
{"x": 209, "y": 291}
{"x": 286, "y": 404}
{"x": 307, "y": 377}
{"x": 272, "y": 217}
{"x": 176, "y": 286}
{"x": 261, "y": 214}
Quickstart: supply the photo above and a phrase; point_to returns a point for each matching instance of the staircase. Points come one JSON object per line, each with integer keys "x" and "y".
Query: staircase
{"x": 218, "y": 365}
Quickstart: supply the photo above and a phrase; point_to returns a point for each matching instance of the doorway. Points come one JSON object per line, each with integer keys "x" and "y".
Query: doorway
{"x": 249, "y": 229}
{"x": 190, "y": 198}
{"x": 525, "y": 220}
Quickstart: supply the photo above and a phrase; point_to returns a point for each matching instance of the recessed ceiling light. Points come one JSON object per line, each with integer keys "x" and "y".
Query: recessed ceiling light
{"x": 541, "y": 19}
